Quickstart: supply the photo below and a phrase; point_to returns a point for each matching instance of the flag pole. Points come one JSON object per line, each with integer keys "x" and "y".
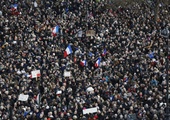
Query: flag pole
{"x": 39, "y": 94}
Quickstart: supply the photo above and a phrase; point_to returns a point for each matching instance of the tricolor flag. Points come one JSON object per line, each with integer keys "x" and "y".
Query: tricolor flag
{"x": 83, "y": 63}
{"x": 104, "y": 52}
{"x": 28, "y": 76}
{"x": 97, "y": 63}
{"x": 55, "y": 30}
{"x": 125, "y": 79}
{"x": 14, "y": 10}
{"x": 68, "y": 51}
{"x": 14, "y": 7}
{"x": 38, "y": 99}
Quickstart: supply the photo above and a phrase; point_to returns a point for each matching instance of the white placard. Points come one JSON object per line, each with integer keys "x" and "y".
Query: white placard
{"x": 67, "y": 73}
{"x": 59, "y": 92}
{"x": 90, "y": 110}
{"x": 35, "y": 74}
{"x": 23, "y": 97}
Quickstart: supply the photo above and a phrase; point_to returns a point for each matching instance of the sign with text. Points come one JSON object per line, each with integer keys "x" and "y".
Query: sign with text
{"x": 90, "y": 33}
{"x": 67, "y": 73}
{"x": 35, "y": 74}
{"x": 90, "y": 110}
{"x": 23, "y": 97}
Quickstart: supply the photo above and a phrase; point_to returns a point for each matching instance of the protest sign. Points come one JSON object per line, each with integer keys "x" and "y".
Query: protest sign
{"x": 67, "y": 73}
{"x": 90, "y": 110}
{"x": 59, "y": 92}
{"x": 90, "y": 33}
{"x": 23, "y": 97}
{"x": 35, "y": 74}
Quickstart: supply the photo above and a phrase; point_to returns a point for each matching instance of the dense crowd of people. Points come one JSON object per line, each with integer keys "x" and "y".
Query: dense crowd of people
{"x": 128, "y": 83}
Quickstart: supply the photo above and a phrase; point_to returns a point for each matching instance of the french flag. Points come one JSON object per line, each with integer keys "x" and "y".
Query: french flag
{"x": 14, "y": 10}
{"x": 37, "y": 98}
{"x": 14, "y": 7}
{"x": 125, "y": 79}
{"x": 55, "y": 30}
{"x": 104, "y": 52}
{"x": 97, "y": 63}
{"x": 68, "y": 51}
{"x": 83, "y": 63}
{"x": 28, "y": 76}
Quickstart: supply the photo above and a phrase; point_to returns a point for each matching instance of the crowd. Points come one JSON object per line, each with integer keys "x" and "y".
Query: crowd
{"x": 128, "y": 83}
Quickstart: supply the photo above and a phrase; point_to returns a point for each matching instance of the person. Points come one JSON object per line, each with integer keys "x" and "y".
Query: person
{"x": 125, "y": 81}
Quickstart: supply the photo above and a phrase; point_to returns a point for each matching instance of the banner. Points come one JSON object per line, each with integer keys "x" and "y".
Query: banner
{"x": 90, "y": 33}
{"x": 59, "y": 92}
{"x": 35, "y": 74}
{"x": 90, "y": 110}
{"x": 23, "y": 97}
{"x": 67, "y": 73}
